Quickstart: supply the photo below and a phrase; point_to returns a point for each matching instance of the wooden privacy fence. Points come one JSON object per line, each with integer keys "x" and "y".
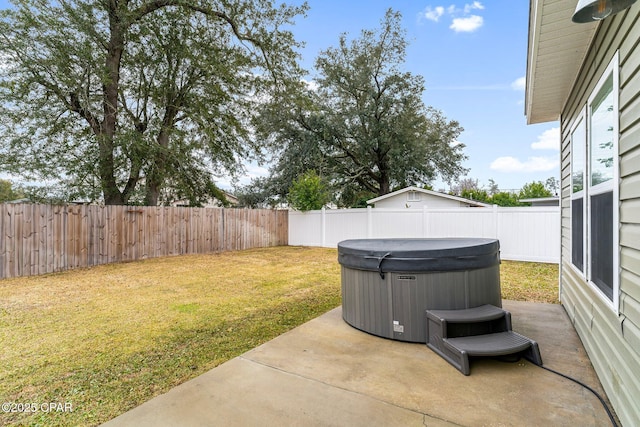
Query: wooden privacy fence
{"x": 37, "y": 239}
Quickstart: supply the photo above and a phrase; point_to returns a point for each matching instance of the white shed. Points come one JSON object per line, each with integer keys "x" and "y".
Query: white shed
{"x": 418, "y": 198}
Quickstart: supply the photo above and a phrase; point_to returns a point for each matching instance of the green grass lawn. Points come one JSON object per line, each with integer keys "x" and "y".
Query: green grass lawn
{"x": 106, "y": 339}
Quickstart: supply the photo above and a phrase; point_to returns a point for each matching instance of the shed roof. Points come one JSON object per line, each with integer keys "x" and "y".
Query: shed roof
{"x": 543, "y": 201}
{"x": 431, "y": 193}
{"x": 557, "y": 48}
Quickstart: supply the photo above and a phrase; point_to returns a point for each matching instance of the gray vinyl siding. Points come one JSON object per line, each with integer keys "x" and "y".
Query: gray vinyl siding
{"x": 612, "y": 340}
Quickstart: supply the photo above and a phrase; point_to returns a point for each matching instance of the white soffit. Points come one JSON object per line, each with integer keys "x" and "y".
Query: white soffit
{"x": 557, "y": 47}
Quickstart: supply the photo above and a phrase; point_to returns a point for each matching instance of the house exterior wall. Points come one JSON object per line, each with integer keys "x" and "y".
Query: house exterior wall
{"x": 611, "y": 338}
{"x": 426, "y": 200}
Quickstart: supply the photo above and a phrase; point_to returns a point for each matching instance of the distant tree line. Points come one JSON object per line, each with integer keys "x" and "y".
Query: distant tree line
{"x": 311, "y": 192}
{"x": 8, "y": 192}
{"x": 470, "y": 189}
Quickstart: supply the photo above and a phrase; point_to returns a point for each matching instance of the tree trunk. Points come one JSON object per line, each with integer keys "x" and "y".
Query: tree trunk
{"x": 155, "y": 177}
{"x": 111, "y": 192}
{"x": 385, "y": 187}
{"x": 383, "y": 167}
{"x": 152, "y": 191}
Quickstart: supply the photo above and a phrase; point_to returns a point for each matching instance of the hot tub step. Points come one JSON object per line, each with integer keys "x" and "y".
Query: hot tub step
{"x": 485, "y": 319}
{"x": 497, "y": 344}
{"x": 482, "y": 313}
{"x": 457, "y": 335}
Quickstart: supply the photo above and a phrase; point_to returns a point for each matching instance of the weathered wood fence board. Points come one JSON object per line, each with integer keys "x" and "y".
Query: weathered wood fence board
{"x": 38, "y": 239}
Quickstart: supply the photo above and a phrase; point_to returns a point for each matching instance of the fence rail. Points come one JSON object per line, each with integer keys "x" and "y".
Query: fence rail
{"x": 525, "y": 234}
{"x": 37, "y": 239}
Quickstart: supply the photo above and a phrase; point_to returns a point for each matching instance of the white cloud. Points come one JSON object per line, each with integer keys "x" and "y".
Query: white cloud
{"x": 519, "y": 83}
{"x": 475, "y": 5}
{"x": 311, "y": 84}
{"x": 548, "y": 140}
{"x": 467, "y": 25}
{"x": 532, "y": 164}
{"x": 433, "y": 14}
{"x": 462, "y": 21}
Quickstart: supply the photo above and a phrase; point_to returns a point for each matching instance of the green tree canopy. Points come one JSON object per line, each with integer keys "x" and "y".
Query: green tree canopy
{"x": 8, "y": 192}
{"x": 364, "y": 124}
{"x": 534, "y": 190}
{"x": 476, "y": 194}
{"x": 505, "y": 199}
{"x": 138, "y": 101}
{"x": 308, "y": 192}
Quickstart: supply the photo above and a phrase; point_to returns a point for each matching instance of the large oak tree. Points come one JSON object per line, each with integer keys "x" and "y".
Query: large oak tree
{"x": 138, "y": 100}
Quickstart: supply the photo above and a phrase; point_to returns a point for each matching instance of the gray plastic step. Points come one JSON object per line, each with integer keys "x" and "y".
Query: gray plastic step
{"x": 497, "y": 344}
{"x": 457, "y": 335}
{"x": 482, "y": 313}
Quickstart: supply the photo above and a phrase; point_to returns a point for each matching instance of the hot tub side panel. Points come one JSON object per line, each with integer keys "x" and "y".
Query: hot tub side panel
{"x": 394, "y": 307}
{"x": 484, "y": 287}
{"x": 366, "y": 301}
{"x": 412, "y": 294}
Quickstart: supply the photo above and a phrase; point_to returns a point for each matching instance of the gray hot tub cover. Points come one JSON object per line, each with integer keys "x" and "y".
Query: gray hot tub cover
{"x": 418, "y": 255}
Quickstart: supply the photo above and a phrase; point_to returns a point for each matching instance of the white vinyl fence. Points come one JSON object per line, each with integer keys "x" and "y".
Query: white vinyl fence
{"x": 525, "y": 234}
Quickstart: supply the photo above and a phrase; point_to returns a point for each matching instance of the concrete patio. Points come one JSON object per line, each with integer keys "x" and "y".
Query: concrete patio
{"x": 326, "y": 373}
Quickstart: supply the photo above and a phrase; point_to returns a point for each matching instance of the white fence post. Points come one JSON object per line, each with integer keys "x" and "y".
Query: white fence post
{"x": 369, "y": 222}
{"x": 323, "y": 227}
{"x": 496, "y": 222}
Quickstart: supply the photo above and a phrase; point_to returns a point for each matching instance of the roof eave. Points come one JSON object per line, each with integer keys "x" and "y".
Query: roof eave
{"x": 556, "y": 51}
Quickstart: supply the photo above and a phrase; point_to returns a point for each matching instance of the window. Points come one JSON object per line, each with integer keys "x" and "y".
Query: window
{"x": 594, "y": 188}
{"x": 603, "y": 160}
{"x": 413, "y": 196}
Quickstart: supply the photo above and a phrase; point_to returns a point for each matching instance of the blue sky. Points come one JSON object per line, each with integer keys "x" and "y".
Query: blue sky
{"x": 472, "y": 55}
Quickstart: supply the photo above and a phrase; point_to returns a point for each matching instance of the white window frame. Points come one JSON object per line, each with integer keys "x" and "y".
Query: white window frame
{"x": 610, "y": 185}
{"x": 581, "y": 146}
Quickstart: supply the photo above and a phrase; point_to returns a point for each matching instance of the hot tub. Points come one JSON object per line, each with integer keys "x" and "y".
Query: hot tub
{"x": 387, "y": 284}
